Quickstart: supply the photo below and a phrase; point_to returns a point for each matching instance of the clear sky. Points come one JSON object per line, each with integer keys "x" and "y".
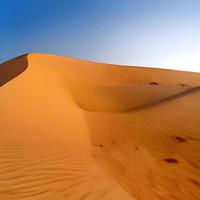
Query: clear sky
{"x": 159, "y": 33}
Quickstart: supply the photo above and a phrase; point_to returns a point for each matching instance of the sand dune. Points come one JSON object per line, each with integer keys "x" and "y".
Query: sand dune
{"x": 72, "y": 129}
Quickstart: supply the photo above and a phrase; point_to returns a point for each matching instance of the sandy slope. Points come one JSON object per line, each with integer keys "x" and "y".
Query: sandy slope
{"x": 72, "y": 129}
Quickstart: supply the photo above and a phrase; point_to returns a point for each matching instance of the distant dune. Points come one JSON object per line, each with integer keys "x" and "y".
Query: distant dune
{"x": 79, "y": 130}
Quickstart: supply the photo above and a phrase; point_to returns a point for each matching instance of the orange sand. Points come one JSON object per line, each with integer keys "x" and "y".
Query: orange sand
{"x": 78, "y": 130}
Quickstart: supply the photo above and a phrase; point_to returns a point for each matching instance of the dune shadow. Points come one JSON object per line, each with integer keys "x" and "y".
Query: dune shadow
{"x": 12, "y": 68}
{"x": 165, "y": 100}
{"x": 142, "y": 106}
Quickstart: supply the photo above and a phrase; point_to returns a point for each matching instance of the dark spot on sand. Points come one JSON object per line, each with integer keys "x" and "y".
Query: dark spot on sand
{"x": 180, "y": 139}
{"x": 113, "y": 142}
{"x": 195, "y": 182}
{"x": 171, "y": 160}
{"x": 136, "y": 148}
{"x": 153, "y": 83}
{"x": 99, "y": 145}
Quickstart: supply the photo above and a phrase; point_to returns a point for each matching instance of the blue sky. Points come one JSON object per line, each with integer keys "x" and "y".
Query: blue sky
{"x": 159, "y": 33}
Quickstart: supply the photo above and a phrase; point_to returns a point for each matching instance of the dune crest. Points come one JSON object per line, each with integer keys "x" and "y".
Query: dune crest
{"x": 73, "y": 129}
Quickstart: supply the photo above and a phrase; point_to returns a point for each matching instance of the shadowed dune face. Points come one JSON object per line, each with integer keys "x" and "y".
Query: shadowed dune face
{"x": 123, "y": 98}
{"x": 71, "y": 129}
{"x": 11, "y": 69}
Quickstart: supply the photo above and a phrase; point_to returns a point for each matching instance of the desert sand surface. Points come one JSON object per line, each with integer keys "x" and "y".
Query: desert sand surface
{"x": 79, "y": 130}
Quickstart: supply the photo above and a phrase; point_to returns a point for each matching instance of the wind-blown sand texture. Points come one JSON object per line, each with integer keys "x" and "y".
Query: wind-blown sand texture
{"x": 78, "y": 130}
